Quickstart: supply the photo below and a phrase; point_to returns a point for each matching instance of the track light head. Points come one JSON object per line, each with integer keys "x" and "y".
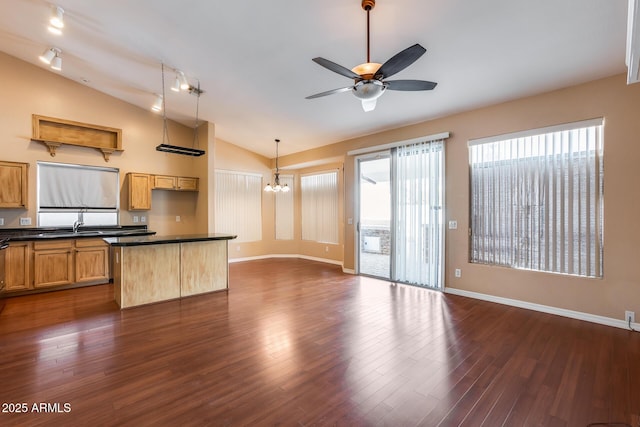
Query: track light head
{"x": 176, "y": 84}
{"x": 57, "y": 17}
{"x": 56, "y": 63}
{"x": 157, "y": 105}
{"x": 48, "y": 55}
{"x": 184, "y": 83}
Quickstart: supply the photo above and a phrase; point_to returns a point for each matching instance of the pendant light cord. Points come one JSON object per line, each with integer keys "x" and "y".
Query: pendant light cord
{"x": 196, "y": 140}
{"x": 165, "y": 129}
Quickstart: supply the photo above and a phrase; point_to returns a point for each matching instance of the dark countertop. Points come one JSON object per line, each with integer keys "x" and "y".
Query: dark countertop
{"x": 27, "y": 234}
{"x": 161, "y": 240}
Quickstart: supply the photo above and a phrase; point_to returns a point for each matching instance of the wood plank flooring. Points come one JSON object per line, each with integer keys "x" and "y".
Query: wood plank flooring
{"x": 299, "y": 343}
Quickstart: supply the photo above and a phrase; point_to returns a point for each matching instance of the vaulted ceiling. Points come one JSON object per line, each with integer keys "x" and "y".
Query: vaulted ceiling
{"x": 253, "y": 58}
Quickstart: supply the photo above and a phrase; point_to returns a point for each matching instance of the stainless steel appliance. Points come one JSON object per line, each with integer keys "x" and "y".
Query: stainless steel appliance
{"x": 3, "y": 245}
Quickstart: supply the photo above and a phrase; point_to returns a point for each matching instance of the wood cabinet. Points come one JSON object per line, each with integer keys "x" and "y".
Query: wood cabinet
{"x": 178, "y": 183}
{"x": 14, "y": 188}
{"x": 53, "y": 263}
{"x": 91, "y": 261}
{"x": 18, "y": 266}
{"x": 139, "y": 186}
{"x": 48, "y": 263}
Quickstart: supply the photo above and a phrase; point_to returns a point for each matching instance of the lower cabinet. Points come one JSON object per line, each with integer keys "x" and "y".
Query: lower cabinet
{"x": 17, "y": 266}
{"x": 53, "y": 263}
{"x": 92, "y": 261}
{"x": 45, "y": 264}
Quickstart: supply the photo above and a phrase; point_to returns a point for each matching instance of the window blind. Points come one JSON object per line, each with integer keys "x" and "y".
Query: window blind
{"x": 238, "y": 204}
{"x": 537, "y": 199}
{"x": 320, "y": 207}
{"x": 77, "y": 187}
{"x": 284, "y": 210}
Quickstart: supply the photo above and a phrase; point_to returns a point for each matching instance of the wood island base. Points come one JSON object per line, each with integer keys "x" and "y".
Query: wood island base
{"x": 148, "y": 273}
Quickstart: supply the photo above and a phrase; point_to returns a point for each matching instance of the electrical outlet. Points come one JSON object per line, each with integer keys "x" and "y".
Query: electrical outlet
{"x": 25, "y": 221}
{"x": 136, "y": 218}
{"x": 629, "y": 317}
{"x": 177, "y": 218}
{"x": 453, "y": 225}
{"x": 1, "y": 221}
{"x": 326, "y": 248}
{"x": 458, "y": 272}
{"x": 143, "y": 218}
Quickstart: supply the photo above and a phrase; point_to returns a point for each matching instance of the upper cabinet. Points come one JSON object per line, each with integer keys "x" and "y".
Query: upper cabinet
{"x": 14, "y": 188}
{"x": 178, "y": 183}
{"x": 141, "y": 184}
{"x": 139, "y": 191}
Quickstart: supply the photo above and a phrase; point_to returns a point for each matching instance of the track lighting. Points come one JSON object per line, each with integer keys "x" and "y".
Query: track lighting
{"x": 56, "y": 63}
{"x": 184, "y": 83}
{"x": 48, "y": 55}
{"x": 176, "y": 84}
{"x": 157, "y": 106}
{"x": 57, "y": 17}
{"x": 52, "y": 57}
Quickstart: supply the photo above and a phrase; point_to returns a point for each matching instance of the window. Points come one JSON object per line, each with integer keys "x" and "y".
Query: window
{"x": 65, "y": 190}
{"x": 320, "y": 207}
{"x": 537, "y": 199}
{"x": 284, "y": 210}
{"x": 238, "y": 210}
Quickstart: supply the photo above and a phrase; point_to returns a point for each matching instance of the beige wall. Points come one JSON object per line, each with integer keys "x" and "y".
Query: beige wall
{"x": 27, "y": 90}
{"x": 610, "y": 98}
{"x": 231, "y": 157}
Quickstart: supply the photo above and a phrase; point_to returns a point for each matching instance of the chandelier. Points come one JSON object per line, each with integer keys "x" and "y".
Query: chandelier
{"x": 276, "y": 180}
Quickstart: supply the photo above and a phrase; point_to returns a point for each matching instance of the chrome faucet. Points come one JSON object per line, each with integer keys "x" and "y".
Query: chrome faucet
{"x": 79, "y": 221}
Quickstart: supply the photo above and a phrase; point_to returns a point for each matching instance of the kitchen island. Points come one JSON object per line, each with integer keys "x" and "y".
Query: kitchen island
{"x": 148, "y": 269}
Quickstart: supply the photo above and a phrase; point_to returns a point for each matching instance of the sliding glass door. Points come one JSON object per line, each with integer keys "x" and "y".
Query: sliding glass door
{"x": 401, "y": 223}
{"x": 374, "y": 253}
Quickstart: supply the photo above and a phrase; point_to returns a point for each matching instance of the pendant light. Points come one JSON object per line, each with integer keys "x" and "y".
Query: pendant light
{"x": 176, "y": 149}
{"x": 276, "y": 180}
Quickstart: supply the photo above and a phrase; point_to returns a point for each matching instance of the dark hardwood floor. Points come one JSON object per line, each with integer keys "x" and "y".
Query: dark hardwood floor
{"x": 297, "y": 342}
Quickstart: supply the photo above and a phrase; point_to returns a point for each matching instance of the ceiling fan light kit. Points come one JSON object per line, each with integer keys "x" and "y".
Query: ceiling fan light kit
{"x": 369, "y": 78}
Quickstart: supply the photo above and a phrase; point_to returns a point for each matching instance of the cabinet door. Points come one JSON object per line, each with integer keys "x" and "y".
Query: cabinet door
{"x": 92, "y": 261}
{"x": 52, "y": 263}
{"x": 13, "y": 191}
{"x": 17, "y": 266}
{"x": 164, "y": 182}
{"x": 139, "y": 191}
{"x": 187, "y": 184}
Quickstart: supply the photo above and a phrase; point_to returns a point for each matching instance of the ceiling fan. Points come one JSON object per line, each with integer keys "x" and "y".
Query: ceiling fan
{"x": 369, "y": 78}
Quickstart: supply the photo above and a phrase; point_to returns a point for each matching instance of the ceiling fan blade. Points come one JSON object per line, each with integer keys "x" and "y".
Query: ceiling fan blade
{"x": 409, "y": 85}
{"x": 336, "y": 68}
{"x": 329, "y": 92}
{"x": 400, "y": 61}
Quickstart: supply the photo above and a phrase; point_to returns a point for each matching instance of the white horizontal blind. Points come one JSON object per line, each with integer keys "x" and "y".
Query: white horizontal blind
{"x": 77, "y": 187}
{"x": 284, "y": 210}
{"x": 320, "y": 207}
{"x": 238, "y": 198}
{"x": 537, "y": 200}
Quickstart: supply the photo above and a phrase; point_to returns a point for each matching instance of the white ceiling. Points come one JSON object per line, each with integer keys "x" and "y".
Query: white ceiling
{"x": 253, "y": 58}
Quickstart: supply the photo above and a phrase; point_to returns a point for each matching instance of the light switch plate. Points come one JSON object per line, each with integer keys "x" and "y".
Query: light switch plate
{"x": 143, "y": 218}
{"x": 136, "y": 218}
{"x": 1, "y": 221}
{"x": 25, "y": 221}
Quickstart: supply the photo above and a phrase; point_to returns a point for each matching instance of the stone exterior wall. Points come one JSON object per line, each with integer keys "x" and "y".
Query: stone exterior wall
{"x": 376, "y": 231}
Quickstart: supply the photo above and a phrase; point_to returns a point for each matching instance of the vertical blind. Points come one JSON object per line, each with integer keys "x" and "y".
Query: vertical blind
{"x": 284, "y": 210}
{"x": 238, "y": 210}
{"x": 320, "y": 207}
{"x": 537, "y": 199}
{"x": 418, "y": 234}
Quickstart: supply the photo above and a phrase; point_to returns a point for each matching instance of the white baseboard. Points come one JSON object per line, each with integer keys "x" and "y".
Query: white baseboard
{"x": 608, "y": 321}
{"x": 310, "y": 258}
